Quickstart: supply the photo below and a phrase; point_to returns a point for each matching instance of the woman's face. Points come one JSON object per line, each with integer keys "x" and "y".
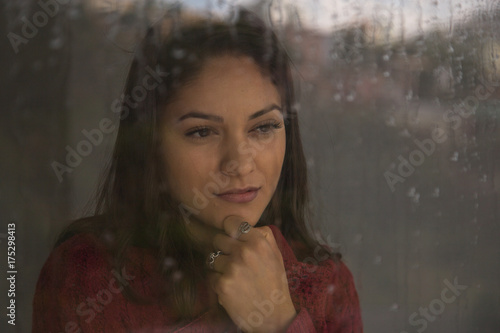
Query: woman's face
{"x": 224, "y": 133}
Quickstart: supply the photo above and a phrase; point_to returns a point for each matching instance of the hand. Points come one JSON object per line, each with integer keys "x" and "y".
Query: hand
{"x": 249, "y": 279}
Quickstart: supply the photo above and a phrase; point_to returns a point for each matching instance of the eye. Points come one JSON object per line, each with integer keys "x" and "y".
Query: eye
{"x": 268, "y": 127}
{"x": 199, "y": 132}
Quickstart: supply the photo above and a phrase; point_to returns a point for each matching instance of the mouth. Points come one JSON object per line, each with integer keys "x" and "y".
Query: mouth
{"x": 240, "y": 195}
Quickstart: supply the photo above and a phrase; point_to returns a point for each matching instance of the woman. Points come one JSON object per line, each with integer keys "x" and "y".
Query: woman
{"x": 200, "y": 225}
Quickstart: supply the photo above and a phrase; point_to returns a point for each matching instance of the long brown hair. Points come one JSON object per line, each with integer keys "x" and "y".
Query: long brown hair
{"x": 132, "y": 206}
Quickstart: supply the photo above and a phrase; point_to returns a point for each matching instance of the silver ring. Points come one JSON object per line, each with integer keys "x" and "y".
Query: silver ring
{"x": 211, "y": 258}
{"x": 244, "y": 228}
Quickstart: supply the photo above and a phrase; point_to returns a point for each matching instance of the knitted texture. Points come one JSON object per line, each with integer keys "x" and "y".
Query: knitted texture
{"x": 79, "y": 291}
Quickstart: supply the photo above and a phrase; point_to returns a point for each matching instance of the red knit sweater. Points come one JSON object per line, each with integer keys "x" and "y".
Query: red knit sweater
{"x": 78, "y": 291}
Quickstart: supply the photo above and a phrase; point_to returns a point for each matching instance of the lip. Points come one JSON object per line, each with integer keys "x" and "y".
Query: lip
{"x": 240, "y": 195}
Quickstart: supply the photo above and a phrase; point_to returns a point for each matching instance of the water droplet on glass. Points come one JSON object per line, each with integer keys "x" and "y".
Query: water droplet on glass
{"x": 394, "y": 307}
{"x": 178, "y": 53}
{"x": 177, "y": 275}
{"x": 169, "y": 262}
{"x": 391, "y": 121}
{"x": 409, "y": 96}
{"x": 405, "y": 133}
{"x": 411, "y": 192}
{"x": 56, "y": 43}
{"x": 330, "y": 289}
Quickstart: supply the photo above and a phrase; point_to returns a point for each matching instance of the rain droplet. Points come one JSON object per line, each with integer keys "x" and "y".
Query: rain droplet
{"x": 394, "y": 307}
{"x": 330, "y": 289}
{"x": 409, "y": 96}
{"x": 108, "y": 237}
{"x": 177, "y": 275}
{"x": 454, "y": 157}
{"x": 411, "y": 192}
{"x": 405, "y": 133}
{"x": 178, "y": 53}
{"x": 391, "y": 121}
{"x": 56, "y": 43}
{"x": 169, "y": 262}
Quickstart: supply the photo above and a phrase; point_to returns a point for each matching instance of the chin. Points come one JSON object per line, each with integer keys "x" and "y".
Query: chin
{"x": 247, "y": 214}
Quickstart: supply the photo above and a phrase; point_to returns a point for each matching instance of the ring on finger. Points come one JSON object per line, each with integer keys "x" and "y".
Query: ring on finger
{"x": 211, "y": 258}
{"x": 244, "y": 228}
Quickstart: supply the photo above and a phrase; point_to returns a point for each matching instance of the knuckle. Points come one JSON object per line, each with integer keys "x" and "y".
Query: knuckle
{"x": 260, "y": 245}
{"x": 246, "y": 253}
{"x": 266, "y": 230}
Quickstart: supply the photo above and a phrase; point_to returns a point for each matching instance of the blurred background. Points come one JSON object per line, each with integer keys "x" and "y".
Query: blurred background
{"x": 400, "y": 113}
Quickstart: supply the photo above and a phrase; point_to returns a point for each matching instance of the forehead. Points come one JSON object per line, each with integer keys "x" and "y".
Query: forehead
{"x": 227, "y": 83}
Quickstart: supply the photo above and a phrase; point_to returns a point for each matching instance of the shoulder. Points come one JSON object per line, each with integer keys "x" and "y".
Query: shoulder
{"x": 74, "y": 270}
{"x": 316, "y": 255}
{"x": 80, "y": 258}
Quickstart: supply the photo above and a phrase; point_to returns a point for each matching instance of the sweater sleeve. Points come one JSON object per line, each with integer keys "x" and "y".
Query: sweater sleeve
{"x": 302, "y": 323}
{"x": 343, "y": 313}
{"x": 341, "y": 308}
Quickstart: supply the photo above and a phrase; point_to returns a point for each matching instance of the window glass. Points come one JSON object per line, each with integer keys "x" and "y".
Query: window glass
{"x": 399, "y": 112}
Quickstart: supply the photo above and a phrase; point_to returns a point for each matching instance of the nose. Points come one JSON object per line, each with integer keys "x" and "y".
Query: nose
{"x": 238, "y": 156}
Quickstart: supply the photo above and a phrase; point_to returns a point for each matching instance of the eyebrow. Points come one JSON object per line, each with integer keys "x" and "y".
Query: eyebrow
{"x": 202, "y": 115}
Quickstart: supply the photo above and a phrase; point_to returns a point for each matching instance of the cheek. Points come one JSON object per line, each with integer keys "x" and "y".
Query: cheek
{"x": 185, "y": 170}
{"x": 271, "y": 157}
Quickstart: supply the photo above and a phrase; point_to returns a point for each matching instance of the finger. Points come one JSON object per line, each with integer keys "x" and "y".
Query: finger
{"x": 220, "y": 263}
{"x": 231, "y": 225}
{"x": 268, "y": 235}
{"x": 265, "y": 231}
{"x": 224, "y": 243}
